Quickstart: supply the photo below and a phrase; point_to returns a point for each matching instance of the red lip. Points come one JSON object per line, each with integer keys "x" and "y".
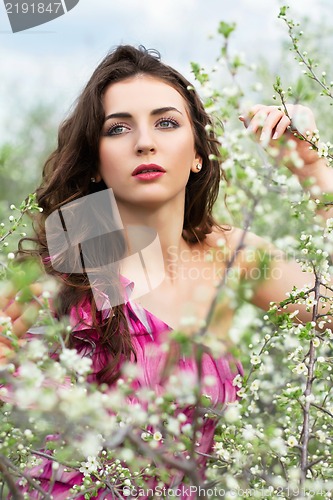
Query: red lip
{"x": 150, "y": 167}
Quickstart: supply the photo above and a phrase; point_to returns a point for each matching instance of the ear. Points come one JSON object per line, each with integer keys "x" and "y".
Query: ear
{"x": 197, "y": 164}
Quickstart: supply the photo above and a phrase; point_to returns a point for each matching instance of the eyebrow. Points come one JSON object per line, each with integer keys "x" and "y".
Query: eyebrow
{"x": 157, "y": 111}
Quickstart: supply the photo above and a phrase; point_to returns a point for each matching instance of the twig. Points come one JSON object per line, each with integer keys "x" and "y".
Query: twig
{"x": 7, "y": 463}
{"x": 17, "y": 223}
{"x": 322, "y": 409}
{"x": 180, "y": 464}
{"x": 8, "y": 478}
{"x": 302, "y": 59}
{"x": 307, "y": 392}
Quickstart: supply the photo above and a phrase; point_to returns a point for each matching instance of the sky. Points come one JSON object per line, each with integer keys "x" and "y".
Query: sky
{"x": 53, "y": 61}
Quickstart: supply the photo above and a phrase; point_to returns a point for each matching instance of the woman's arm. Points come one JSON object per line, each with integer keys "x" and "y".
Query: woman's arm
{"x": 273, "y": 127}
{"x": 272, "y": 274}
{"x": 19, "y": 316}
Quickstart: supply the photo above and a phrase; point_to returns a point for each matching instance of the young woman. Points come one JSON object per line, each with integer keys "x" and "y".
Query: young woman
{"x": 140, "y": 129}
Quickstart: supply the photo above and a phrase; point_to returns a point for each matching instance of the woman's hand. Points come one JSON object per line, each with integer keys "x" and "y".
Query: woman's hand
{"x": 18, "y": 314}
{"x": 270, "y": 124}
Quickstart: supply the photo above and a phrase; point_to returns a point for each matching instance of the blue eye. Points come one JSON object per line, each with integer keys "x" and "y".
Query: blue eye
{"x": 167, "y": 123}
{"x": 116, "y": 129}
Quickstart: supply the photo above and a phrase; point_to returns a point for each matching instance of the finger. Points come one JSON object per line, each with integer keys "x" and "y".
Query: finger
{"x": 272, "y": 121}
{"x": 22, "y": 324}
{"x": 13, "y": 310}
{"x": 7, "y": 293}
{"x": 17, "y": 306}
{"x": 29, "y": 293}
{"x": 7, "y": 352}
{"x": 258, "y": 120}
{"x": 258, "y": 107}
{"x": 247, "y": 116}
{"x": 281, "y": 127}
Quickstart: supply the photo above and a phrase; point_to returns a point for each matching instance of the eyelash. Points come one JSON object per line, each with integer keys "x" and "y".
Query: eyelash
{"x": 113, "y": 127}
{"x": 161, "y": 120}
{"x": 169, "y": 119}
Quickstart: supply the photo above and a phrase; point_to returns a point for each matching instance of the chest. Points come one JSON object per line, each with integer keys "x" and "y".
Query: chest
{"x": 185, "y": 302}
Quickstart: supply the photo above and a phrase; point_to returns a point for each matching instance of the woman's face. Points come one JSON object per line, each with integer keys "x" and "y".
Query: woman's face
{"x": 146, "y": 125}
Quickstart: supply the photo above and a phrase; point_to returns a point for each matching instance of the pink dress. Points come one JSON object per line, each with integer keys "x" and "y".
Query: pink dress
{"x": 148, "y": 332}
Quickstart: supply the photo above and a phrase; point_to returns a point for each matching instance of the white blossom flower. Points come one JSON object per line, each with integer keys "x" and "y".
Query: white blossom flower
{"x": 237, "y": 381}
{"x": 316, "y": 342}
{"x": 187, "y": 429}
{"x": 300, "y": 368}
{"x": 278, "y": 444}
{"x": 255, "y": 385}
{"x": 248, "y": 432}
{"x": 91, "y": 443}
{"x": 131, "y": 370}
{"x": 232, "y": 412}
{"x": 83, "y": 366}
{"x": 241, "y": 393}
{"x": 73, "y": 361}
{"x": 27, "y": 396}
{"x": 32, "y": 374}
{"x": 321, "y": 436}
{"x": 310, "y": 398}
{"x": 90, "y": 466}
{"x": 309, "y": 301}
{"x": 221, "y": 452}
{"x": 255, "y": 360}
{"x": 182, "y": 418}
{"x": 293, "y": 314}
{"x": 292, "y": 441}
{"x": 322, "y": 149}
{"x": 36, "y": 349}
{"x": 173, "y": 426}
{"x": 157, "y": 436}
{"x": 329, "y": 225}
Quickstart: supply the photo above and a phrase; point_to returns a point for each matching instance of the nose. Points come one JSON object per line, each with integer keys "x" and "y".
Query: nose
{"x": 145, "y": 143}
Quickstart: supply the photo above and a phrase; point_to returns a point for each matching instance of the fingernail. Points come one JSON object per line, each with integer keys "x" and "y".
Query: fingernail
{"x": 275, "y": 136}
{"x": 264, "y": 139}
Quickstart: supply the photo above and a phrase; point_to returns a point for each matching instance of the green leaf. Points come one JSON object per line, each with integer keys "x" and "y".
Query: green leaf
{"x": 283, "y": 11}
{"x": 226, "y": 29}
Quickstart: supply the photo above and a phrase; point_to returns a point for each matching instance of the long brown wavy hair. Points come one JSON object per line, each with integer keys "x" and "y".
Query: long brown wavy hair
{"x": 68, "y": 171}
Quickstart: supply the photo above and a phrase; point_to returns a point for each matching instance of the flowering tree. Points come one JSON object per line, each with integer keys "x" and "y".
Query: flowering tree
{"x": 276, "y": 440}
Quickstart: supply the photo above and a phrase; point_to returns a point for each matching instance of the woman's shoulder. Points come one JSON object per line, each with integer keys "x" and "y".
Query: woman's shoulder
{"x": 235, "y": 238}
{"x": 242, "y": 249}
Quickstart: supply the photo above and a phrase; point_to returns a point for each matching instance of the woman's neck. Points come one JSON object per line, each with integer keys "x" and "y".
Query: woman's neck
{"x": 161, "y": 225}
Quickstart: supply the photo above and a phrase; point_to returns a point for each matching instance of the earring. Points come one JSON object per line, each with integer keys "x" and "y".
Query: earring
{"x": 198, "y": 167}
{"x": 92, "y": 179}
